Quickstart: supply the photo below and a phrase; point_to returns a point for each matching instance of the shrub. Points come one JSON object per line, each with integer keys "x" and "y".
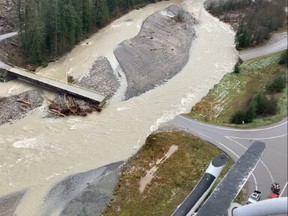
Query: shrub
{"x": 277, "y": 85}
{"x": 236, "y": 68}
{"x": 180, "y": 17}
{"x": 265, "y": 106}
{"x": 251, "y": 112}
{"x": 260, "y": 105}
{"x": 284, "y": 58}
{"x": 238, "y": 118}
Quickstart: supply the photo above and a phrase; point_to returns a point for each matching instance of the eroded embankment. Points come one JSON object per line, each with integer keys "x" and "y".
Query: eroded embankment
{"x": 158, "y": 52}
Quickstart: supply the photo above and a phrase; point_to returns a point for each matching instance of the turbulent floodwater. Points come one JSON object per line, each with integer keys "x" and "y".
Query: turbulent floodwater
{"x": 37, "y": 152}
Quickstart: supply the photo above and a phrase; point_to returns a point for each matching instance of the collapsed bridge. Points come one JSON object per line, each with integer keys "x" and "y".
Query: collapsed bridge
{"x": 51, "y": 84}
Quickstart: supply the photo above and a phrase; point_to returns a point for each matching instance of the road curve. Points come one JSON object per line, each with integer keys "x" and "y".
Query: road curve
{"x": 273, "y": 164}
{"x": 277, "y": 42}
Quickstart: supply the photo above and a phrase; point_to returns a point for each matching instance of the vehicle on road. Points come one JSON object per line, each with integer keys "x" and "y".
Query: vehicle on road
{"x": 254, "y": 197}
{"x": 275, "y": 188}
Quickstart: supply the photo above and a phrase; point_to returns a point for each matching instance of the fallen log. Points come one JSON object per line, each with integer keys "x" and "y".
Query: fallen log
{"x": 27, "y": 103}
{"x": 56, "y": 112}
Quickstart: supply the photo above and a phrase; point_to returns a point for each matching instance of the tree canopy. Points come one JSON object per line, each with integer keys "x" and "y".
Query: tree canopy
{"x": 49, "y": 28}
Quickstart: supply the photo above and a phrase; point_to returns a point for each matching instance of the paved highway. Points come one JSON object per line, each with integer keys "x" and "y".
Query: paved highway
{"x": 277, "y": 42}
{"x": 273, "y": 164}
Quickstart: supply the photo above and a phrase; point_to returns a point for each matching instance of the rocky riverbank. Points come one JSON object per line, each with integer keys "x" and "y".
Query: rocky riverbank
{"x": 100, "y": 78}
{"x": 158, "y": 52}
{"x": 17, "y": 106}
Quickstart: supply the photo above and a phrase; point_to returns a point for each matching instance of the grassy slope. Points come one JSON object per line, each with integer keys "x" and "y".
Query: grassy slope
{"x": 235, "y": 90}
{"x": 172, "y": 182}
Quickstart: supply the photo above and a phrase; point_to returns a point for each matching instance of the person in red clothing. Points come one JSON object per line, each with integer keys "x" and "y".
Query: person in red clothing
{"x": 275, "y": 188}
{"x": 273, "y": 195}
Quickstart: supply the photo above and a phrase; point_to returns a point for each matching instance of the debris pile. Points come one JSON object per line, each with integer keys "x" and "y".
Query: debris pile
{"x": 66, "y": 105}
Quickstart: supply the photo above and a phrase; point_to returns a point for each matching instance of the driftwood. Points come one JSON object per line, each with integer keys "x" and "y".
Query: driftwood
{"x": 56, "y": 112}
{"x": 71, "y": 107}
{"x": 26, "y": 103}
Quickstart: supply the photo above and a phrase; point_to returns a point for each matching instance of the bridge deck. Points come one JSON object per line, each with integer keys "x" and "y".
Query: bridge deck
{"x": 56, "y": 85}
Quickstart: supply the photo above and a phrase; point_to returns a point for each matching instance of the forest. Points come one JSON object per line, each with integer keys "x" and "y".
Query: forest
{"x": 257, "y": 25}
{"x": 257, "y": 18}
{"x": 50, "y": 28}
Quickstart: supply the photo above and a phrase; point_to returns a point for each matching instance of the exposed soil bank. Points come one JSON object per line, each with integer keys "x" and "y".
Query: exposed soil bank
{"x": 158, "y": 52}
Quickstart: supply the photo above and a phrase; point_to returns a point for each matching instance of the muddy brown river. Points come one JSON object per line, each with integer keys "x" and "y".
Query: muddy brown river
{"x": 37, "y": 152}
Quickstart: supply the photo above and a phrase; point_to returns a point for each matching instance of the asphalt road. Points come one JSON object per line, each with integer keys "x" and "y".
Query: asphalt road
{"x": 277, "y": 42}
{"x": 273, "y": 164}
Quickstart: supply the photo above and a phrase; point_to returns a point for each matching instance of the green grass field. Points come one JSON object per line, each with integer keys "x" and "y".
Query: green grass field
{"x": 234, "y": 92}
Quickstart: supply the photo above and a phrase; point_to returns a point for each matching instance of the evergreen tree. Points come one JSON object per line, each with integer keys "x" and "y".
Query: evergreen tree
{"x": 277, "y": 85}
{"x": 102, "y": 12}
{"x": 53, "y": 27}
{"x": 87, "y": 15}
{"x": 112, "y": 6}
{"x": 32, "y": 28}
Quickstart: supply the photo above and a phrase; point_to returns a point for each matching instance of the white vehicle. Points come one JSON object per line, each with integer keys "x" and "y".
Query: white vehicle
{"x": 254, "y": 197}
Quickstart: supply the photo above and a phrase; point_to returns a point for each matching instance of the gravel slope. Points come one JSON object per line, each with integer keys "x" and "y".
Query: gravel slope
{"x": 158, "y": 52}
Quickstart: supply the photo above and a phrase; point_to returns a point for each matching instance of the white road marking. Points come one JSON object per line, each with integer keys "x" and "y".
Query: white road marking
{"x": 266, "y": 167}
{"x": 254, "y": 178}
{"x": 283, "y": 189}
{"x": 231, "y": 139}
{"x": 232, "y": 129}
{"x": 259, "y": 138}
